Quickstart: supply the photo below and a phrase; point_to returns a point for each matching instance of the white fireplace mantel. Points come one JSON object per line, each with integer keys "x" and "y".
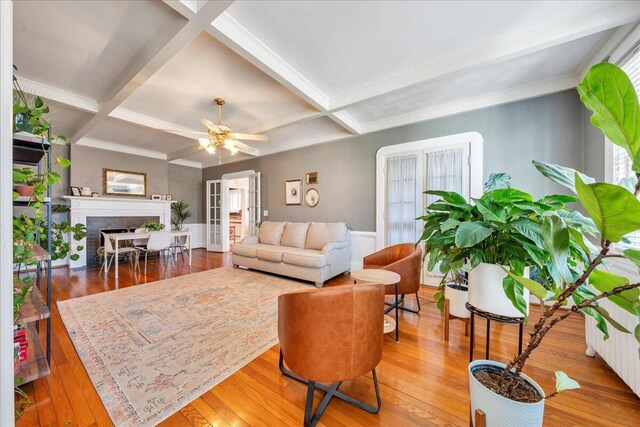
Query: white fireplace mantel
{"x": 83, "y": 207}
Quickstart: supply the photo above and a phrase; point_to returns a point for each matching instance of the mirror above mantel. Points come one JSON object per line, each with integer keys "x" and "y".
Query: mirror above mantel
{"x": 124, "y": 183}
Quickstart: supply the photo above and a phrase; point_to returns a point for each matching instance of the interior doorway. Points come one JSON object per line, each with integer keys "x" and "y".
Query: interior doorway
{"x": 233, "y": 209}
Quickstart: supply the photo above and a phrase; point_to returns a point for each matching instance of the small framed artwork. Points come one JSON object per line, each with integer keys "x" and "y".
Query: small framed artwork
{"x": 312, "y": 197}
{"x": 312, "y": 178}
{"x": 163, "y": 197}
{"x": 293, "y": 190}
{"x": 156, "y": 197}
{"x": 75, "y": 191}
{"x": 169, "y": 197}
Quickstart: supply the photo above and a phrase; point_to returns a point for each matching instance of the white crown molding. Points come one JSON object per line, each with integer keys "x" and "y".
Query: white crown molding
{"x": 304, "y": 142}
{"x": 243, "y": 42}
{"x": 617, "y": 39}
{"x": 152, "y": 122}
{"x": 279, "y": 122}
{"x": 346, "y": 120}
{"x": 592, "y": 21}
{"x": 76, "y": 101}
{"x": 520, "y": 93}
{"x": 121, "y": 148}
{"x": 188, "y": 163}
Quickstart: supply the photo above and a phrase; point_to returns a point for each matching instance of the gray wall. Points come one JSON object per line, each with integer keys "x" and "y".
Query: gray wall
{"x": 594, "y": 147}
{"x": 183, "y": 182}
{"x": 548, "y": 128}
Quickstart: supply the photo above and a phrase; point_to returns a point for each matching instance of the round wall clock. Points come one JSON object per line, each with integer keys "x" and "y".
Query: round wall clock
{"x": 312, "y": 197}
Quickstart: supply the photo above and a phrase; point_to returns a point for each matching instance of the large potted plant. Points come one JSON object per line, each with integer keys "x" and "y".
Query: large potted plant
{"x": 500, "y": 232}
{"x": 180, "y": 213}
{"x": 573, "y": 272}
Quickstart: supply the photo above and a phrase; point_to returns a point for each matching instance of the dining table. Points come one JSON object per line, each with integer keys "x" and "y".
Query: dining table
{"x": 119, "y": 237}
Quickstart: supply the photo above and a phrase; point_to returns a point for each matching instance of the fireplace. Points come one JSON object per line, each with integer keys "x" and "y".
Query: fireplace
{"x": 97, "y": 225}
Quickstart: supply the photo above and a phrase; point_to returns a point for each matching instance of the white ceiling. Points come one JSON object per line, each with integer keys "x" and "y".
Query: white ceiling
{"x": 301, "y": 72}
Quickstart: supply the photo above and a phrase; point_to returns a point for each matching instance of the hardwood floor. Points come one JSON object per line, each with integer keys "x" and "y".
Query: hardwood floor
{"x": 423, "y": 379}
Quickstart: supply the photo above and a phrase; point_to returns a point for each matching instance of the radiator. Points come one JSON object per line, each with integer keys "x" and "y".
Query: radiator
{"x": 620, "y": 351}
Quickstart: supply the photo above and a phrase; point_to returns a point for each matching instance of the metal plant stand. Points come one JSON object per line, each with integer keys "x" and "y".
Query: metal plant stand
{"x": 496, "y": 317}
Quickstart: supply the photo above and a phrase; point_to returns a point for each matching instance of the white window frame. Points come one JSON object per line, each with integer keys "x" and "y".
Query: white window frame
{"x": 473, "y": 139}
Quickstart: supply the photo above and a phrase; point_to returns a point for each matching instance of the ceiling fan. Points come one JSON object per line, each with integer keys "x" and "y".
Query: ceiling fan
{"x": 220, "y": 135}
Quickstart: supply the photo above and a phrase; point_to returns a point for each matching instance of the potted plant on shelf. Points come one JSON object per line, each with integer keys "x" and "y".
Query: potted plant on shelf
{"x": 153, "y": 226}
{"x": 181, "y": 213}
{"x": 572, "y": 270}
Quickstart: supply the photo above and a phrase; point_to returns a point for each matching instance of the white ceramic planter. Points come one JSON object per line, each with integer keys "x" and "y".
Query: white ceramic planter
{"x": 500, "y": 411}
{"x": 486, "y": 291}
{"x": 457, "y": 300}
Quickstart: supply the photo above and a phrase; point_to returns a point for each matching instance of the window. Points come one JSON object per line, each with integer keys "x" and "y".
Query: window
{"x": 621, "y": 160}
{"x": 402, "y": 199}
{"x": 235, "y": 201}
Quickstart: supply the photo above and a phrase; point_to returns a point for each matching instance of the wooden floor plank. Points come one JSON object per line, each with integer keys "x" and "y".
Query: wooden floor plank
{"x": 423, "y": 379}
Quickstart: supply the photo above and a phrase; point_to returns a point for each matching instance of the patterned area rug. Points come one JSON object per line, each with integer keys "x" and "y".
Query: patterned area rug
{"x": 151, "y": 349}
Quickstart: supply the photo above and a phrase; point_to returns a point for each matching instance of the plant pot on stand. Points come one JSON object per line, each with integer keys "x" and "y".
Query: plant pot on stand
{"x": 24, "y": 190}
{"x": 498, "y": 410}
{"x": 487, "y": 294}
{"x": 456, "y": 297}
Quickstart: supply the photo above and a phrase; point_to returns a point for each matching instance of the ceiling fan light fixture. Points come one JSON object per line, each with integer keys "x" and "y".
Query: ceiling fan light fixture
{"x": 204, "y": 142}
{"x": 211, "y": 149}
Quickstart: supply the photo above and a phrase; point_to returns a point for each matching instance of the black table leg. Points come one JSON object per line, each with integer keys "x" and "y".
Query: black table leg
{"x": 520, "y": 338}
{"x": 471, "y": 339}
{"x": 488, "y": 332}
{"x": 397, "y": 323}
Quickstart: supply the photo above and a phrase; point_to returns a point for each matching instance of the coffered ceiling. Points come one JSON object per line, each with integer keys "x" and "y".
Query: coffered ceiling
{"x": 118, "y": 74}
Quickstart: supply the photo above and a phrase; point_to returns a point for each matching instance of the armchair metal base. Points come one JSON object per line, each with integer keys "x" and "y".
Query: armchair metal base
{"x": 310, "y": 418}
{"x": 402, "y": 307}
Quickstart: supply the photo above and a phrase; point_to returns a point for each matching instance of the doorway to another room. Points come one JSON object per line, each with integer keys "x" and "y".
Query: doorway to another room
{"x": 233, "y": 209}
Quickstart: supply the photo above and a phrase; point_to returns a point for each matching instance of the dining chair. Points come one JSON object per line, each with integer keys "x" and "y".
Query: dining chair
{"x": 140, "y": 243}
{"x": 132, "y": 253}
{"x": 180, "y": 243}
{"x": 159, "y": 242}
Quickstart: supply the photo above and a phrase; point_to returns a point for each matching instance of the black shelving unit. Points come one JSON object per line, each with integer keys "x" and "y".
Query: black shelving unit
{"x": 32, "y": 150}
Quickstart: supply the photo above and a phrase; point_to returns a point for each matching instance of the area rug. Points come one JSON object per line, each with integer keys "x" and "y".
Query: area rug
{"x": 151, "y": 349}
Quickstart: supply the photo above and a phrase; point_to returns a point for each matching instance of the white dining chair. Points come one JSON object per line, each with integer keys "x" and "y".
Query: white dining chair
{"x": 132, "y": 253}
{"x": 159, "y": 242}
{"x": 139, "y": 243}
{"x": 181, "y": 244}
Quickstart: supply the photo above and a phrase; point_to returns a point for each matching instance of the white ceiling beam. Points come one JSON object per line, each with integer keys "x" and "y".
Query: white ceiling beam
{"x": 151, "y": 122}
{"x": 346, "y": 120}
{"x": 58, "y": 95}
{"x": 592, "y": 21}
{"x": 279, "y": 122}
{"x": 122, "y": 148}
{"x": 172, "y": 38}
{"x": 520, "y": 93}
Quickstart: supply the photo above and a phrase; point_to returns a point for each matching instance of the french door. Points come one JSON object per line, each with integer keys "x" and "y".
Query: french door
{"x": 218, "y": 202}
{"x": 215, "y": 216}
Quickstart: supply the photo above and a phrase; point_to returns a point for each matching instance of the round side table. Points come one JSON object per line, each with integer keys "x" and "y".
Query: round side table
{"x": 384, "y": 277}
{"x": 491, "y": 316}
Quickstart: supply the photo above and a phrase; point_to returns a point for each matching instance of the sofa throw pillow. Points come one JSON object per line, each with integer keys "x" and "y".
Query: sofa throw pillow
{"x": 295, "y": 234}
{"x": 321, "y": 233}
{"x": 270, "y": 233}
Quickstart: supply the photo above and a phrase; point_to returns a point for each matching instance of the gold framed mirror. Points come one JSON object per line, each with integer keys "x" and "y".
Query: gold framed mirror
{"x": 124, "y": 183}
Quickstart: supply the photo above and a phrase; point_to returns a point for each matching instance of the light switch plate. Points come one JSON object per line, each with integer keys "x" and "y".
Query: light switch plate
{"x": 265, "y": 213}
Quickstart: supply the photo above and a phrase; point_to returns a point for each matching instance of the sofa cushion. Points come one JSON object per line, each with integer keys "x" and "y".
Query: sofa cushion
{"x": 269, "y": 253}
{"x": 270, "y": 233}
{"x": 244, "y": 250}
{"x": 321, "y": 233}
{"x": 295, "y": 234}
{"x": 305, "y": 258}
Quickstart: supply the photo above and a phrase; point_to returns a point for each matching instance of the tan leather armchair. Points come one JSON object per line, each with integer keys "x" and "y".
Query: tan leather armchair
{"x": 331, "y": 335}
{"x": 404, "y": 259}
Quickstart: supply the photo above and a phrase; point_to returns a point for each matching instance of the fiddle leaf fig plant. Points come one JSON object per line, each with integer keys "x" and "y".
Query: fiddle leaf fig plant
{"x": 507, "y": 227}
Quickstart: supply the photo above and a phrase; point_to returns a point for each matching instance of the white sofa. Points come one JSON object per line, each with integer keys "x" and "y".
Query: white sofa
{"x": 314, "y": 252}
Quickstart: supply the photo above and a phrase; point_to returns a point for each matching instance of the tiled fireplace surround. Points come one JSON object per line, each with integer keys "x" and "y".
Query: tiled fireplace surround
{"x": 97, "y": 223}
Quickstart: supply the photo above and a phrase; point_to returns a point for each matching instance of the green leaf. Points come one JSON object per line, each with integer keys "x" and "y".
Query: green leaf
{"x": 38, "y": 102}
{"x": 604, "y": 313}
{"x": 614, "y": 210}
{"x": 534, "y": 287}
{"x": 491, "y": 211}
{"x": 555, "y": 235}
{"x": 563, "y": 382}
{"x": 513, "y": 291}
{"x": 561, "y": 175}
{"x": 558, "y": 200}
{"x": 496, "y": 181}
{"x": 509, "y": 195}
{"x": 632, "y": 255}
{"x": 608, "y": 92}
{"x": 452, "y": 198}
{"x": 64, "y": 163}
{"x": 529, "y": 229}
{"x": 605, "y": 282}
{"x": 449, "y": 224}
{"x": 471, "y": 233}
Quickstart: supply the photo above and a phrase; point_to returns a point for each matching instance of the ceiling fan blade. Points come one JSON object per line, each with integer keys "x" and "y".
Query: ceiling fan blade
{"x": 210, "y": 125}
{"x": 244, "y": 148}
{"x": 183, "y": 131}
{"x": 251, "y": 137}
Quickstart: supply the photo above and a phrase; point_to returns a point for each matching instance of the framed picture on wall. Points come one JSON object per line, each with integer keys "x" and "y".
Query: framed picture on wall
{"x": 312, "y": 178}
{"x": 75, "y": 191}
{"x": 293, "y": 190}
